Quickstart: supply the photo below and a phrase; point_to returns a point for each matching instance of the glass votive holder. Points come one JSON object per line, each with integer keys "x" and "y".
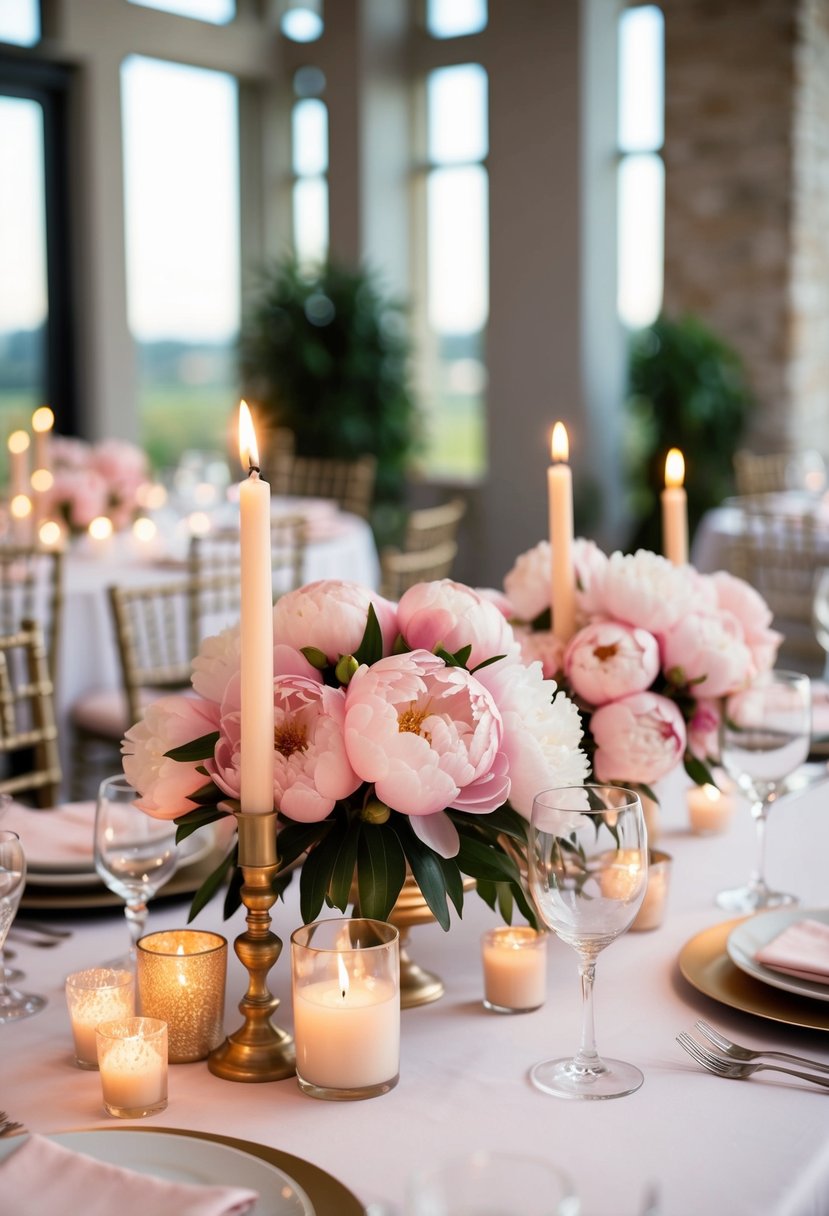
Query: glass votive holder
{"x": 132, "y": 1060}
{"x": 515, "y": 968}
{"x": 181, "y": 981}
{"x": 346, "y": 996}
{"x": 652, "y": 909}
{"x": 484, "y": 1182}
{"x": 709, "y": 809}
{"x": 99, "y": 994}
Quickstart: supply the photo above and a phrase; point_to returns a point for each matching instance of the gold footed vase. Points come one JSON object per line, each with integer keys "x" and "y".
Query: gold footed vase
{"x": 417, "y": 985}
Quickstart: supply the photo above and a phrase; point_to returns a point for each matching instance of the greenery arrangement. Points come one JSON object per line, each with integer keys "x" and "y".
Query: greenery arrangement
{"x": 325, "y": 354}
{"x": 687, "y": 389}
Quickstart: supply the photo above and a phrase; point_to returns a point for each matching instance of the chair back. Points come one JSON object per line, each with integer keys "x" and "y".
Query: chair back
{"x": 31, "y": 589}
{"x": 218, "y": 553}
{"x": 28, "y": 733}
{"x": 350, "y": 483}
{"x": 159, "y": 630}
{"x": 761, "y": 474}
{"x": 430, "y": 526}
{"x": 400, "y": 571}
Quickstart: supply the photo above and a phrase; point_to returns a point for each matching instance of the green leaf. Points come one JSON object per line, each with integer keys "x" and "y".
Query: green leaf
{"x": 505, "y": 902}
{"x": 381, "y": 870}
{"x": 197, "y": 749}
{"x": 461, "y": 656}
{"x": 488, "y": 892}
{"x": 454, "y": 882}
{"x": 525, "y": 906}
{"x": 496, "y": 658}
{"x": 294, "y": 839}
{"x": 427, "y": 871}
{"x": 482, "y": 860}
{"x": 316, "y": 873}
{"x": 315, "y": 657}
{"x": 698, "y": 771}
{"x": 233, "y": 894}
{"x": 370, "y": 649}
{"x": 503, "y": 821}
{"x": 342, "y": 876}
{"x": 208, "y": 794}
{"x": 544, "y": 621}
{"x": 449, "y": 659}
{"x": 193, "y": 820}
{"x": 211, "y": 885}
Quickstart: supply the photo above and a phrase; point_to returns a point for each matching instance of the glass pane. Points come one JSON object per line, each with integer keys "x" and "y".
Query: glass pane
{"x": 217, "y": 12}
{"x": 458, "y": 265}
{"x": 311, "y": 220}
{"x": 451, "y": 18}
{"x": 641, "y": 79}
{"x": 641, "y": 238}
{"x": 310, "y": 137}
{"x": 20, "y": 22}
{"x": 456, "y": 103}
{"x": 23, "y": 300}
{"x": 181, "y": 175}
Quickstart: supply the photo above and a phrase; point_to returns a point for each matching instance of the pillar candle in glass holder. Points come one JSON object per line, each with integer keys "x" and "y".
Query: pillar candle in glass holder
{"x": 675, "y": 510}
{"x": 181, "y": 980}
{"x": 346, "y": 995}
{"x": 709, "y": 809}
{"x": 132, "y": 1060}
{"x": 96, "y": 995}
{"x": 652, "y": 910}
{"x": 515, "y": 968}
{"x": 560, "y": 503}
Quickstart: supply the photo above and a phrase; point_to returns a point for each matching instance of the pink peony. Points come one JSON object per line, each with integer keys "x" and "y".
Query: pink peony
{"x": 606, "y": 661}
{"x": 165, "y": 784}
{"x": 591, "y": 564}
{"x": 219, "y": 658}
{"x": 541, "y": 646}
{"x": 703, "y": 730}
{"x": 644, "y": 590}
{"x": 528, "y": 582}
{"x": 707, "y": 649}
{"x": 429, "y": 737}
{"x": 639, "y": 738}
{"x": 754, "y": 615}
{"x": 331, "y": 615}
{"x": 451, "y": 615}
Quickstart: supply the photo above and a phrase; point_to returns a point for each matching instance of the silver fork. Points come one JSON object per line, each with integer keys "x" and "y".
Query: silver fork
{"x": 735, "y": 1052}
{"x": 735, "y": 1069}
{"x": 25, "y": 937}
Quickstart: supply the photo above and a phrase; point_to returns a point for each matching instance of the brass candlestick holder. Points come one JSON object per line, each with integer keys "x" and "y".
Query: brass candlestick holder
{"x": 258, "y": 1050}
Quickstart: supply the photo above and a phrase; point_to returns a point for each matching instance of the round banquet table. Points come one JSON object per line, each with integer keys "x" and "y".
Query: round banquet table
{"x": 704, "y": 1145}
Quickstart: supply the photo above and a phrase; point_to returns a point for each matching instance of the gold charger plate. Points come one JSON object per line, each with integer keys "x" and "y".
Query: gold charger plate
{"x": 329, "y": 1197}
{"x": 704, "y": 963}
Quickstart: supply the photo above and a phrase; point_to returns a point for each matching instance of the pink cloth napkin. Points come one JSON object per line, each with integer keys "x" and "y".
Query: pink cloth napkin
{"x": 801, "y": 950}
{"x": 56, "y": 837}
{"x": 42, "y": 1178}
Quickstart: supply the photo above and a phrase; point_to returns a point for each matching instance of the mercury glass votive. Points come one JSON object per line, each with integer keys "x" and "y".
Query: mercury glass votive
{"x": 515, "y": 968}
{"x": 181, "y": 980}
{"x": 132, "y": 1061}
{"x": 99, "y": 994}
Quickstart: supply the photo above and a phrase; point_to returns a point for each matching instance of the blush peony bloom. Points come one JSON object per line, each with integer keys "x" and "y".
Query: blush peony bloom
{"x": 541, "y": 646}
{"x": 165, "y": 784}
{"x": 754, "y": 615}
{"x": 644, "y": 590}
{"x": 707, "y": 648}
{"x": 606, "y": 661}
{"x": 639, "y": 738}
{"x": 429, "y": 737}
{"x": 528, "y": 582}
{"x": 703, "y": 730}
{"x": 451, "y": 615}
{"x": 330, "y": 615}
{"x": 219, "y": 661}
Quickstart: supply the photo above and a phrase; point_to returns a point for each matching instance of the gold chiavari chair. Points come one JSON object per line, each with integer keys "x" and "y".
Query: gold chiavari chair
{"x": 28, "y": 733}
{"x": 350, "y": 483}
{"x": 427, "y": 527}
{"x": 31, "y": 589}
{"x": 399, "y": 571}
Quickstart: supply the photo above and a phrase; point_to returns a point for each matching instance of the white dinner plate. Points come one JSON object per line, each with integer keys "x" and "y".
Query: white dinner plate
{"x": 199, "y": 1163}
{"x": 192, "y": 849}
{"x": 751, "y": 935}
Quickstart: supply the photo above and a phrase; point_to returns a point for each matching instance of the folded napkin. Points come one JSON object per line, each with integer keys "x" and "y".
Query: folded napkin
{"x": 801, "y": 950}
{"x": 62, "y": 836}
{"x": 42, "y": 1178}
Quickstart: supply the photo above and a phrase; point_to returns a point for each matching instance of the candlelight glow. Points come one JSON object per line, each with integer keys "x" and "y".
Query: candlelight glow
{"x": 198, "y": 523}
{"x": 151, "y": 495}
{"x": 100, "y": 527}
{"x": 144, "y": 529}
{"x": 50, "y": 533}
{"x": 712, "y": 793}
{"x": 18, "y": 441}
{"x": 248, "y": 450}
{"x": 674, "y": 468}
{"x": 560, "y": 446}
{"x": 21, "y": 506}
{"x": 342, "y": 973}
{"x": 43, "y": 419}
{"x": 42, "y": 480}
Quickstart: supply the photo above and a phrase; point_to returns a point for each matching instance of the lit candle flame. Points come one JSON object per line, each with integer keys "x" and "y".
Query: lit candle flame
{"x": 42, "y": 480}
{"x": 248, "y": 450}
{"x": 674, "y": 468}
{"x": 18, "y": 441}
{"x": 21, "y": 506}
{"x": 343, "y": 976}
{"x": 43, "y": 419}
{"x": 50, "y": 532}
{"x": 711, "y": 793}
{"x": 560, "y": 446}
{"x": 100, "y": 527}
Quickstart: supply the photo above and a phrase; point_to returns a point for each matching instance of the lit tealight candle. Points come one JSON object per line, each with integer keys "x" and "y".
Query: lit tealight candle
{"x": 560, "y": 503}
{"x": 144, "y": 529}
{"x": 21, "y": 506}
{"x": 652, "y": 911}
{"x": 675, "y": 510}
{"x": 50, "y": 534}
{"x": 100, "y": 527}
{"x": 94, "y": 996}
{"x": 181, "y": 981}
{"x": 18, "y": 444}
{"x": 132, "y": 1060}
{"x": 515, "y": 969}
{"x": 709, "y": 809}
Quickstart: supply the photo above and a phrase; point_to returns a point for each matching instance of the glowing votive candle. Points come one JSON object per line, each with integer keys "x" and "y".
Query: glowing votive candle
{"x": 709, "y": 809}
{"x": 675, "y": 510}
{"x": 515, "y": 968}
{"x": 346, "y": 995}
{"x": 181, "y": 980}
{"x": 132, "y": 1060}
{"x": 94, "y": 996}
{"x": 652, "y": 910}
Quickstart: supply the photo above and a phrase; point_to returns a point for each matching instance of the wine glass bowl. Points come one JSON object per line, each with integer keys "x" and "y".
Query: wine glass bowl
{"x": 135, "y": 854}
{"x": 588, "y": 867}
{"x": 765, "y": 734}
{"x": 820, "y": 614}
{"x": 13, "y": 1004}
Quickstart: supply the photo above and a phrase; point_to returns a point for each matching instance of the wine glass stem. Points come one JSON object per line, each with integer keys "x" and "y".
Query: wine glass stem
{"x": 136, "y": 915}
{"x": 587, "y": 1056}
{"x": 759, "y": 811}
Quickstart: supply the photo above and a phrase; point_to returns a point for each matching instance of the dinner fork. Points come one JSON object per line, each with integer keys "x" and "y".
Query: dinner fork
{"x": 736, "y": 1052}
{"x": 735, "y": 1069}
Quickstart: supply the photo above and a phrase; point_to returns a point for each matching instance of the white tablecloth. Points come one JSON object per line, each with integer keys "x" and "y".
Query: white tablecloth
{"x": 710, "y": 1146}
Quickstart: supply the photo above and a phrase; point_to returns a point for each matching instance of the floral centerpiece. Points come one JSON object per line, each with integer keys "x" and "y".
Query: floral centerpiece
{"x": 95, "y": 479}
{"x": 656, "y": 649}
{"x": 407, "y": 737}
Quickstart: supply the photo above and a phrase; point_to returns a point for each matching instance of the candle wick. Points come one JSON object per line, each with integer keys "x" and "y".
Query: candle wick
{"x": 253, "y": 470}
{"x": 343, "y": 993}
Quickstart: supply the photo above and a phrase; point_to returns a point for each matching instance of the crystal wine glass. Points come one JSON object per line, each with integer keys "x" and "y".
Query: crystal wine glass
{"x": 10, "y": 975}
{"x": 134, "y": 854}
{"x": 820, "y": 614}
{"x": 765, "y": 735}
{"x": 13, "y": 1004}
{"x": 588, "y": 869}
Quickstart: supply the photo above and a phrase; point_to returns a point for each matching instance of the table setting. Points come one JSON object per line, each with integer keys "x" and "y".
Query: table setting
{"x": 537, "y": 761}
